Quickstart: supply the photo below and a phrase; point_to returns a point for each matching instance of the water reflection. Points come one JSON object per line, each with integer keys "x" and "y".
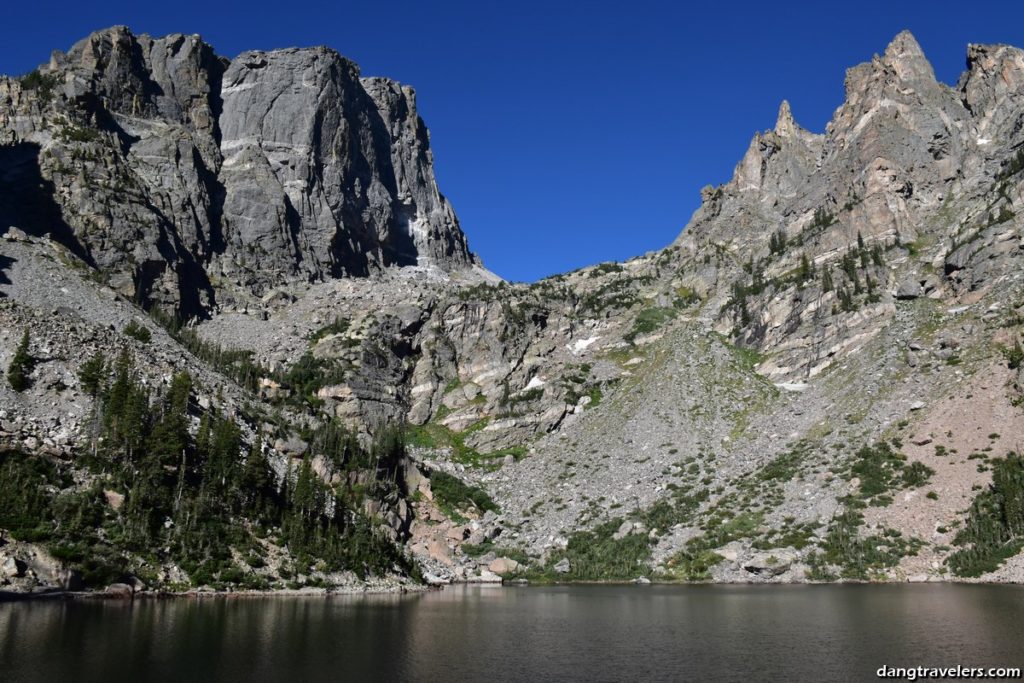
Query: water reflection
{"x": 562, "y": 633}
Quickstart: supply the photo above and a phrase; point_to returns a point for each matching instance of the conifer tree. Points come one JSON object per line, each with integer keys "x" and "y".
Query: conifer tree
{"x": 91, "y": 374}
{"x": 826, "y": 280}
{"x": 806, "y": 271}
{"x": 21, "y": 365}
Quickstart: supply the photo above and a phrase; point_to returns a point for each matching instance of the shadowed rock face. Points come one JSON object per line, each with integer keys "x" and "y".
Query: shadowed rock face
{"x": 175, "y": 168}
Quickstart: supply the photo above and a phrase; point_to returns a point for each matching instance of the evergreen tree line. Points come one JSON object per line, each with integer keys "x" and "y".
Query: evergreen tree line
{"x": 197, "y": 495}
{"x": 995, "y": 522}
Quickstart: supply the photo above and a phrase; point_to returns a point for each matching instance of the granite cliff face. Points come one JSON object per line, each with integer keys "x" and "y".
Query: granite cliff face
{"x": 192, "y": 182}
{"x": 813, "y": 382}
{"x": 905, "y": 161}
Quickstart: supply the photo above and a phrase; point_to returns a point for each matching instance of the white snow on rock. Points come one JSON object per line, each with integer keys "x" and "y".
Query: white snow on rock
{"x": 580, "y": 345}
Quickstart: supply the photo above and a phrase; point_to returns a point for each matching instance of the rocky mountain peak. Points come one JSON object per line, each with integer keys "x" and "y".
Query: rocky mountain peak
{"x": 993, "y": 89}
{"x": 902, "y": 69}
{"x": 784, "y": 124}
{"x": 271, "y": 170}
{"x": 905, "y": 56}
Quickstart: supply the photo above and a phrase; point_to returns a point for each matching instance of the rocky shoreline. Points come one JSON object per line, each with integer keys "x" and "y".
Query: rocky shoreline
{"x": 124, "y": 592}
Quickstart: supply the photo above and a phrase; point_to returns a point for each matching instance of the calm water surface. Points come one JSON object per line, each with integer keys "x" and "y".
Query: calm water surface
{"x": 572, "y": 633}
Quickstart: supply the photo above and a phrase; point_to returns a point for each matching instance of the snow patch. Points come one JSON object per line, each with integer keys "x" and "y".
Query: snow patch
{"x": 793, "y": 386}
{"x": 417, "y": 228}
{"x": 535, "y": 382}
{"x": 580, "y": 345}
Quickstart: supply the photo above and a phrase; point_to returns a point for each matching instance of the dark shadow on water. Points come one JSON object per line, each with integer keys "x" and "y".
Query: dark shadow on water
{"x": 48, "y": 595}
{"x": 563, "y": 633}
{"x": 27, "y": 199}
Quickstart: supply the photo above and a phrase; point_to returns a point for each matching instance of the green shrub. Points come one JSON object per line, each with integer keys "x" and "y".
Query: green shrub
{"x": 1014, "y": 355}
{"x": 309, "y": 374}
{"x": 648, "y": 320}
{"x": 695, "y": 566}
{"x": 916, "y": 474}
{"x": 78, "y": 134}
{"x": 784, "y": 467}
{"x": 138, "y": 331}
{"x": 454, "y": 494}
{"x": 597, "y": 556}
{"x": 882, "y": 470}
{"x": 339, "y": 326}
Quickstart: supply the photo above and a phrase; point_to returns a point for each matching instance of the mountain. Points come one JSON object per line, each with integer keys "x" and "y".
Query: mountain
{"x": 820, "y": 379}
{"x": 185, "y": 176}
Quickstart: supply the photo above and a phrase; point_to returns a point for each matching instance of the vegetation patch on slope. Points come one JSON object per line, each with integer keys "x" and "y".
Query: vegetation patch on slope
{"x": 159, "y": 493}
{"x": 453, "y": 495}
{"x": 434, "y": 435}
{"x": 994, "y": 529}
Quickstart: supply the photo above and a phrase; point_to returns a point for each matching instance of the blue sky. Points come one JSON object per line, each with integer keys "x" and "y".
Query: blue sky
{"x": 568, "y": 133}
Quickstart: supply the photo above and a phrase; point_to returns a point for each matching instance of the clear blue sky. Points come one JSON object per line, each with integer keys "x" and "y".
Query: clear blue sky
{"x": 567, "y": 133}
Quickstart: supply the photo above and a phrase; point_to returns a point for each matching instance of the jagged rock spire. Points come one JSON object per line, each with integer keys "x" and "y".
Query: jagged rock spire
{"x": 784, "y": 124}
{"x": 906, "y": 57}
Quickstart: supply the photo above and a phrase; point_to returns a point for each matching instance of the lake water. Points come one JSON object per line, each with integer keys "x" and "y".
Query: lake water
{"x": 562, "y": 633}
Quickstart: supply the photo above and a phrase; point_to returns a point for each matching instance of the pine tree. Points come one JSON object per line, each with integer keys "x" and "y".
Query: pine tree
{"x": 203, "y": 435}
{"x": 846, "y": 300}
{"x": 388, "y": 451}
{"x": 745, "y": 318}
{"x": 757, "y": 277}
{"x": 170, "y": 435}
{"x": 806, "y": 271}
{"x": 126, "y": 417}
{"x": 135, "y": 424}
{"x": 91, "y": 374}
{"x": 21, "y": 365}
{"x": 117, "y": 394}
{"x": 227, "y": 442}
{"x": 257, "y": 481}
